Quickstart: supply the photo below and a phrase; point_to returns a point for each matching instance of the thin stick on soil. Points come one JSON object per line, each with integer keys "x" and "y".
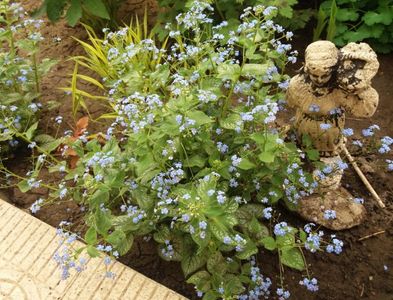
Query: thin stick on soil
{"x": 362, "y": 177}
{"x": 371, "y": 235}
{"x": 362, "y": 291}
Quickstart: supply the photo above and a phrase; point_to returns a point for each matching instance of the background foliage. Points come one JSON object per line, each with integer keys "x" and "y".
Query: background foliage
{"x": 354, "y": 21}
{"x": 97, "y": 13}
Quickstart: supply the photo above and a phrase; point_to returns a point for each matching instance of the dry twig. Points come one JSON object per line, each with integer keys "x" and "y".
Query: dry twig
{"x": 371, "y": 235}
{"x": 362, "y": 177}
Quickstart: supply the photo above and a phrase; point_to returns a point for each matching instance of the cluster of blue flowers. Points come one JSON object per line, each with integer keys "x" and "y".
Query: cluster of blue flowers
{"x": 310, "y": 284}
{"x": 261, "y": 284}
{"x": 133, "y": 212}
{"x": 65, "y": 255}
{"x": 386, "y": 142}
{"x": 336, "y": 245}
{"x": 36, "y": 206}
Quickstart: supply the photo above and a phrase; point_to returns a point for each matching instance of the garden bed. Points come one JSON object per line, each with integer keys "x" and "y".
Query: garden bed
{"x": 363, "y": 271}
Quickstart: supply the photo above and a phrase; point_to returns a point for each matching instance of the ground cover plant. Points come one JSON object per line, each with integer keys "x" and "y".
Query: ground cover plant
{"x": 20, "y": 75}
{"x": 193, "y": 157}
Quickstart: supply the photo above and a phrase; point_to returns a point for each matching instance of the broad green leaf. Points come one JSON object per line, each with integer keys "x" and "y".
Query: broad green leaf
{"x": 116, "y": 237}
{"x": 162, "y": 234}
{"x": 24, "y": 186}
{"x": 249, "y": 250}
{"x": 385, "y": 17}
{"x": 97, "y": 8}
{"x": 102, "y": 222}
{"x": 193, "y": 262}
{"x": 54, "y": 9}
{"x": 269, "y": 243}
{"x": 99, "y": 196}
{"x": 201, "y": 280}
{"x": 216, "y": 263}
{"x": 30, "y": 132}
{"x": 267, "y": 157}
{"x": 74, "y": 12}
{"x": 47, "y": 142}
{"x": 285, "y": 8}
{"x": 91, "y": 236}
{"x": 234, "y": 285}
{"x": 46, "y": 64}
{"x": 200, "y": 117}
{"x": 120, "y": 241}
{"x": 229, "y": 72}
{"x": 230, "y": 122}
{"x": 286, "y": 241}
{"x": 292, "y": 258}
{"x": 313, "y": 154}
{"x": 257, "y": 230}
{"x": 92, "y": 251}
{"x": 346, "y": 14}
{"x": 195, "y": 161}
{"x": 303, "y": 236}
{"x": 218, "y": 231}
{"x": 254, "y": 69}
{"x": 211, "y": 295}
{"x": 246, "y": 164}
{"x": 246, "y": 212}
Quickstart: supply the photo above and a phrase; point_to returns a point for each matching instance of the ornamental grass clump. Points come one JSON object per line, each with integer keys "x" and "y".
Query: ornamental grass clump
{"x": 193, "y": 157}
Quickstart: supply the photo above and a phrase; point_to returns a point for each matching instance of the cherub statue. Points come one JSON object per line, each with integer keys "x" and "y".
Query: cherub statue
{"x": 332, "y": 83}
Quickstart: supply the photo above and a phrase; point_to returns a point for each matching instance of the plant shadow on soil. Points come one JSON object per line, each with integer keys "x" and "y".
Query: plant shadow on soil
{"x": 358, "y": 273}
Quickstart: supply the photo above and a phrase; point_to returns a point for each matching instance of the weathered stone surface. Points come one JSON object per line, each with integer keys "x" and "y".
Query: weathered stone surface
{"x": 28, "y": 271}
{"x": 348, "y": 213}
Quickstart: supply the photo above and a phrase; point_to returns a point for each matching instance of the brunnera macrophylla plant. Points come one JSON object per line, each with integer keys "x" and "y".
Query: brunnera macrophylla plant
{"x": 20, "y": 75}
{"x": 193, "y": 157}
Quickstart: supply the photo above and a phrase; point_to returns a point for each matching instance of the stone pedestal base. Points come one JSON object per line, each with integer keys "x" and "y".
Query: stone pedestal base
{"x": 348, "y": 213}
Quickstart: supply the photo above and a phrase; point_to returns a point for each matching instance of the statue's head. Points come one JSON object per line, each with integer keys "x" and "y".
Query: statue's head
{"x": 320, "y": 61}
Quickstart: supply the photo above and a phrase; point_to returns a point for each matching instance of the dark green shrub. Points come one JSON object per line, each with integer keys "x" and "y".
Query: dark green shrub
{"x": 354, "y": 21}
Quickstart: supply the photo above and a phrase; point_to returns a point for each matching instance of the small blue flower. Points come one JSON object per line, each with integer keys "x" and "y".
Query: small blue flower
{"x": 267, "y": 212}
{"x": 202, "y": 225}
{"x": 185, "y": 218}
{"x": 358, "y": 200}
{"x": 227, "y": 240}
{"x": 347, "y": 131}
{"x": 329, "y": 214}
{"x": 281, "y": 229}
{"x": 325, "y": 126}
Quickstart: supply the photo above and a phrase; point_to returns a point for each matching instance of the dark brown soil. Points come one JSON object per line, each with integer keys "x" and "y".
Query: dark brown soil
{"x": 358, "y": 273}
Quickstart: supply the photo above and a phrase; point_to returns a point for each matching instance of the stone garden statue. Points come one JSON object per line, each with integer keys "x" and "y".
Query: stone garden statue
{"x": 334, "y": 82}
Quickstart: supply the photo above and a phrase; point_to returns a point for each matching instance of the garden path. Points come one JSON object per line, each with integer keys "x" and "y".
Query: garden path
{"x": 28, "y": 271}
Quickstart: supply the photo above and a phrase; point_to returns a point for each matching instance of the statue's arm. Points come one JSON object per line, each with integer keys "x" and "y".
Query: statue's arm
{"x": 362, "y": 105}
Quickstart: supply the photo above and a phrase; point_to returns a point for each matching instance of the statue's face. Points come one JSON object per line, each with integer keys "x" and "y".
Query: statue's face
{"x": 319, "y": 77}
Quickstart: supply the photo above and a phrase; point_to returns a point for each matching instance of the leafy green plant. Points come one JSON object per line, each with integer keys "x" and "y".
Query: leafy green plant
{"x": 355, "y": 21}
{"x": 193, "y": 157}
{"x": 20, "y": 75}
{"x": 97, "y": 13}
{"x": 230, "y": 10}
{"x": 326, "y": 21}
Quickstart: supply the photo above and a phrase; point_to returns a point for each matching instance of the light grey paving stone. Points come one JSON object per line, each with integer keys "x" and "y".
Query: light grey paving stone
{"x": 28, "y": 271}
